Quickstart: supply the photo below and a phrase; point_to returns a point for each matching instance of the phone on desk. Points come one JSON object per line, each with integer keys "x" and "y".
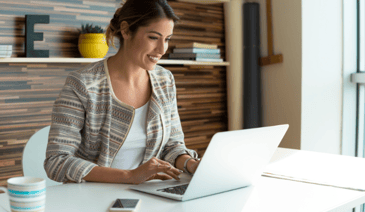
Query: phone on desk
{"x": 131, "y": 205}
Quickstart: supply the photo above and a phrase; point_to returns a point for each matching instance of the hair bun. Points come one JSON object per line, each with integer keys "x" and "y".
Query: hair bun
{"x": 137, "y": 13}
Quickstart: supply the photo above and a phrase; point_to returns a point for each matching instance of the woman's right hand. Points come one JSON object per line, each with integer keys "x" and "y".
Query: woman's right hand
{"x": 150, "y": 171}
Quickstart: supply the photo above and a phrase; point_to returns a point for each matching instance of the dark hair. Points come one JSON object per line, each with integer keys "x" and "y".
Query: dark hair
{"x": 138, "y": 13}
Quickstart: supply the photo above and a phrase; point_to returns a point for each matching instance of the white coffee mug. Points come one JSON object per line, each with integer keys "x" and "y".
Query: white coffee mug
{"x": 26, "y": 194}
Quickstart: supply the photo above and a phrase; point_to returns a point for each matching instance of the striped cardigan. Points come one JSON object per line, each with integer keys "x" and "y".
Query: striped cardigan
{"x": 89, "y": 124}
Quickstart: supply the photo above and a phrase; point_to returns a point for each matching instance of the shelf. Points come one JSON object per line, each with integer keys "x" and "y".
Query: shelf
{"x": 205, "y": 1}
{"x": 92, "y": 60}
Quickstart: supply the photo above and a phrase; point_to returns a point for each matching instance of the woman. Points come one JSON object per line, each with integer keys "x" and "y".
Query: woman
{"x": 116, "y": 120}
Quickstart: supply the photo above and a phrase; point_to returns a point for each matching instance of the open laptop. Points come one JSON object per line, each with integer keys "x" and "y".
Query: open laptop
{"x": 232, "y": 160}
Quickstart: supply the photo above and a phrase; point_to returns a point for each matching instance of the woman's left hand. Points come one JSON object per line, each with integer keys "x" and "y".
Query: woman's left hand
{"x": 192, "y": 165}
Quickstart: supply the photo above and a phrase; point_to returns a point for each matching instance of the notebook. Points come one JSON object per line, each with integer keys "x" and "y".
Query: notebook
{"x": 320, "y": 168}
{"x": 232, "y": 160}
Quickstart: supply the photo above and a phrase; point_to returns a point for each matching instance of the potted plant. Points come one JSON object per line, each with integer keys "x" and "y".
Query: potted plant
{"x": 92, "y": 42}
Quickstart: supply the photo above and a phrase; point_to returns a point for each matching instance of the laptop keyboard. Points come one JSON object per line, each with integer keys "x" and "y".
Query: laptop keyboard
{"x": 175, "y": 190}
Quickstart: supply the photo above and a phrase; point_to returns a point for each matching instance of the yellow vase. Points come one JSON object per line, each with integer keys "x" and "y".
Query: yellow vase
{"x": 93, "y": 45}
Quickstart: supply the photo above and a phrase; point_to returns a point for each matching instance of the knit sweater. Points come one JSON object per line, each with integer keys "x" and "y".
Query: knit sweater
{"x": 89, "y": 124}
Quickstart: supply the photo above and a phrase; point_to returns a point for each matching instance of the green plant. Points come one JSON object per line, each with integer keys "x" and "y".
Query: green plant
{"x": 88, "y": 28}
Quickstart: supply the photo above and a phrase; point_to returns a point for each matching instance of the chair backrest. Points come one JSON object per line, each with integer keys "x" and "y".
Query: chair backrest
{"x": 34, "y": 155}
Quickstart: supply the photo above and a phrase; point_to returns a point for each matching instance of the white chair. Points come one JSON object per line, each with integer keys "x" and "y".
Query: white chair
{"x": 34, "y": 154}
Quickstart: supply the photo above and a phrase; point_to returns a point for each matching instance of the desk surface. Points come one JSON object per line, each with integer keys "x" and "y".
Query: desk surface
{"x": 270, "y": 194}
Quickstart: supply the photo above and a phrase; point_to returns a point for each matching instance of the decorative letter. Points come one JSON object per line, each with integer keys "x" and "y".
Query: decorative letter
{"x": 31, "y": 36}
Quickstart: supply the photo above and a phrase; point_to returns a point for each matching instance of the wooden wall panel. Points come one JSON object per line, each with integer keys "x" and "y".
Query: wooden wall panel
{"x": 28, "y": 91}
{"x": 27, "y": 94}
{"x": 202, "y": 103}
{"x": 61, "y": 34}
{"x": 198, "y": 23}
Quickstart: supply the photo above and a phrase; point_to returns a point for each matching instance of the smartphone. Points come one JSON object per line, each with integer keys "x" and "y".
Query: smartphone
{"x": 125, "y": 205}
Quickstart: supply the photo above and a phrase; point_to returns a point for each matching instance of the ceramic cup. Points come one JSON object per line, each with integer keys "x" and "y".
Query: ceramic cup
{"x": 26, "y": 194}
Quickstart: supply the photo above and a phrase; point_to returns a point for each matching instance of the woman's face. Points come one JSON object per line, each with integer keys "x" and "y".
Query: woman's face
{"x": 150, "y": 43}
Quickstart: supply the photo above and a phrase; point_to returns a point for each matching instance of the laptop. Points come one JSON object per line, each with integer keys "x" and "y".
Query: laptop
{"x": 232, "y": 160}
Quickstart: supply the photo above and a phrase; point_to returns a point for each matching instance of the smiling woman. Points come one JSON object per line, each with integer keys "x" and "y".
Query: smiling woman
{"x": 117, "y": 120}
{"x": 144, "y": 47}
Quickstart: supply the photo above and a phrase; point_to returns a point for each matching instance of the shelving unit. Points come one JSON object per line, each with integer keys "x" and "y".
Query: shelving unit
{"x": 92, "y": 60}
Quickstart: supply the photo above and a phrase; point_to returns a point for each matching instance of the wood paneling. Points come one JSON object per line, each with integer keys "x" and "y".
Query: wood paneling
{"x": 202, "y": 103}
{"x": 28, "y": 91}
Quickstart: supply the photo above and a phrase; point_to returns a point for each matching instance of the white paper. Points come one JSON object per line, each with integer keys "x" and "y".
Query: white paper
{"x": 319, "y": 168}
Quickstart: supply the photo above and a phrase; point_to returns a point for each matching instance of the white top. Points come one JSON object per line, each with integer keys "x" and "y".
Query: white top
{"x": 130, "y": 155}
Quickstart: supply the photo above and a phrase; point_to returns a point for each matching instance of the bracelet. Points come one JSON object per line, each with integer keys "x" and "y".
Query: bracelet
{"x": 186, "y": 162}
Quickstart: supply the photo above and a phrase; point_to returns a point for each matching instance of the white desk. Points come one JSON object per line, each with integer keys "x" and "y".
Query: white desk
{"x": 269, "y": 194}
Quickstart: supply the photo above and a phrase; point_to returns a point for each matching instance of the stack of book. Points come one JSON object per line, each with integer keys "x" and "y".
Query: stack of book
{"x": 6, "y": 50}
{"x": 196, "y": 51}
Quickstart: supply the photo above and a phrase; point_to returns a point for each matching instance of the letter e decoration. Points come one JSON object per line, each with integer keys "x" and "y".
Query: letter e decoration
{"x": 31, "y": 36}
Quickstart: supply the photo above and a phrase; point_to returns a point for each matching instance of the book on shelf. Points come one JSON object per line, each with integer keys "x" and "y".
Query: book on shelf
{"x": 193, "y": 55}
{"x": 209, "y": 59}
{"x": 5, "y": 53}
{"x": 6, "y": 47}
{"x": 196, "y": 50}
{"x": 198, "y": 59}
{"x": 196, "y": 45}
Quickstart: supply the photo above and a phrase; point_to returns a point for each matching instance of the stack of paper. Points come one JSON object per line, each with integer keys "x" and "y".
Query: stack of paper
{"x": 319, "y": 168}
{"x": 6, "y": 50}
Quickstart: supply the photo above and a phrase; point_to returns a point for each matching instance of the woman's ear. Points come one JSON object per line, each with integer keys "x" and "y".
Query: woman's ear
{"x": 124, "y": 29}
